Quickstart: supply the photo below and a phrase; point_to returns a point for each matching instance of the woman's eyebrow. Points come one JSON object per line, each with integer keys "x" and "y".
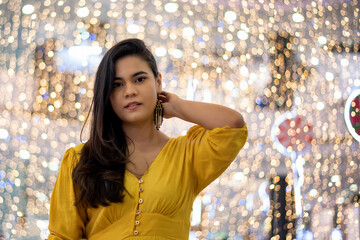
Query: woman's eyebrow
{"x": 134, "y": 75}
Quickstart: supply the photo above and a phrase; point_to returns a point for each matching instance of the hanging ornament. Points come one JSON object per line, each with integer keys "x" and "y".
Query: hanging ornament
{"x": 352, "y": 114}
{"x": 291, "y": 134}
{"x": 292, "y": 137}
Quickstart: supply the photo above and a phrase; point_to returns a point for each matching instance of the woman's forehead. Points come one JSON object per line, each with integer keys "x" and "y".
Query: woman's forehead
{"x": 130, "y": 65}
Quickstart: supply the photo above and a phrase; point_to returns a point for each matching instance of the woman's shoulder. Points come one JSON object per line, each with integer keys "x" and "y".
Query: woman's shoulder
{"x": 77, "y": 149}
{"x": 72, "y": 155}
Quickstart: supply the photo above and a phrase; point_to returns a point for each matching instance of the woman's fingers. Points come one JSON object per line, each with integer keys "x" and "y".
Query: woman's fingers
{"x": 164, "y": 96}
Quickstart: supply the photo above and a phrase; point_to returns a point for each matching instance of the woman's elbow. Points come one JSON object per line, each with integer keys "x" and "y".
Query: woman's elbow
{"x": 238, "y": 121}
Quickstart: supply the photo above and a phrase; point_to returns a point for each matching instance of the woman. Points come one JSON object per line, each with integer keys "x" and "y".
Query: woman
{"x": 130, "y": 180}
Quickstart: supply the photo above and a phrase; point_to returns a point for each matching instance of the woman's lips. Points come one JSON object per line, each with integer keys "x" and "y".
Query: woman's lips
{"x": 133, "y": 106}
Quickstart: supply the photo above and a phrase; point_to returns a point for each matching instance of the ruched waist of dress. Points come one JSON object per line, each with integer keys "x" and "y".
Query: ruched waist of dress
{"x": 151, "y": 226}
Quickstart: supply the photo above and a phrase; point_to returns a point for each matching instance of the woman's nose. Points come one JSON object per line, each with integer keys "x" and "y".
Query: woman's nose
{"x": 130, "y": 90}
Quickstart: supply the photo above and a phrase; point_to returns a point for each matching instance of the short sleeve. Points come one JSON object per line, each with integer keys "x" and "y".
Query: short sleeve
{"x": 212, "y": 151}
{"x": 66, "y": 221}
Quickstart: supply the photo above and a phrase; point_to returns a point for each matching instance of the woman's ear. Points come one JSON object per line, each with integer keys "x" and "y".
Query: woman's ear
{"x": 159, "y": 83}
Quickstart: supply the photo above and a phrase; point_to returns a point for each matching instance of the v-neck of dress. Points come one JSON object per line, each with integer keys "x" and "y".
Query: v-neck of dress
{"x": 153, "y": 163}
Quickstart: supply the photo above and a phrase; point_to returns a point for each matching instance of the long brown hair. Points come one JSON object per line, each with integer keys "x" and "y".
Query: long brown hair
{"x": 99, "y": 175}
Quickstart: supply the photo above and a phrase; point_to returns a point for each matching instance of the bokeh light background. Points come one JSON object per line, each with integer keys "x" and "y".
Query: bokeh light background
{"x": 261, "y": 57}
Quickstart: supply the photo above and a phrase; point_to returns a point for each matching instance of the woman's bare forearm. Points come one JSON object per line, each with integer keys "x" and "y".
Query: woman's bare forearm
{"x": 208, "y": 115}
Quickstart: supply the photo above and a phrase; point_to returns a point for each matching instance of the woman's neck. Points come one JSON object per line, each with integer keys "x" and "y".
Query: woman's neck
{"x": 143, "y": 136}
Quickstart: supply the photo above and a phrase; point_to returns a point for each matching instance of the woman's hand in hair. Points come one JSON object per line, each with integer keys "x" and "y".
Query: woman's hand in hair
{"x": 170, "y": 103}
{"x": 208, "y": 115}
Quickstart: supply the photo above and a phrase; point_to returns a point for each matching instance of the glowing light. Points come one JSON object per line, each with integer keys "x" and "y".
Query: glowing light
{"x": 242, "y": 35}
{"x": 336, "y": 234}
{"x": 335, "y": 178}
{"x": 337, "y": 94}
{"x": 3, "y": 133}
{"x": 24, "y": 154}
{"x": 320, "y": 106}
{"x": 221, "y": 53}
{"x": 42, "y": 224}
{"x": 344, "y": 62}
{"x": 340, "y": 200}
{"x": 28, "y": 9}
{"x": 353, "y": 187}
{"x": 314, "y": 61}
{"x": 83, "y": 52}
{"x": 133, "y": 28}
{"x": 196, "y": 212}
{"x": 263, "y": 194}
{"x": 229, "y": 46}
{"x": 85, "y": 35}
{"x": 329, "y": 76}
{"x": 322, "y": 40}
{"x": 176, "y": 53}
{"x": 244, "y": 85}
{"x": 83, "y": 12}
{"x": 244, "y": 71}
{"x": 230, "y": 16}
{"x": 171, "y": 7}
{"x": 313, "y": 192}
{"x": 229, "y": 85}
{"x": 308, "y": 235}
{"x": 41, "y": 196}
{"x": 250, "y": 202}
{"x": 238, "y": 176}
{"x": 188, "y": 32}
{"x": 297, "y": 17}
{"x": 205, "y": 59}
{"x": 160, "y": 52}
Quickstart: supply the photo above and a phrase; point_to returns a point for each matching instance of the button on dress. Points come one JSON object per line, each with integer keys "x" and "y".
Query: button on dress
{"x": 157, "y": 206}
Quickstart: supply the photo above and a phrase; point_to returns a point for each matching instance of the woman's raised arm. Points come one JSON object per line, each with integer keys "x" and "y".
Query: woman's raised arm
{"x": 208, "y": 115}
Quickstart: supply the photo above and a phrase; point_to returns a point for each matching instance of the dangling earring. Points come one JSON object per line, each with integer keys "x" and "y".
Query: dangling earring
{"x": 158, "y": 114}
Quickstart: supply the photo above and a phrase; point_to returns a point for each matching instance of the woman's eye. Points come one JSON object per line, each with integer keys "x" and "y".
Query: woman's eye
{"x": 117, "y": 84}
{"x": 140, "y": 79}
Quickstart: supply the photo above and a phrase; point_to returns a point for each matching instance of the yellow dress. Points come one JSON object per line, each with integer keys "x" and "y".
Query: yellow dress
{"x": 157, "y": 206}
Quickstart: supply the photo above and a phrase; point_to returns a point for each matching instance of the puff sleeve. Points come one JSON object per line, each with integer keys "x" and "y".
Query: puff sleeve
{"x": 66, "y": 221}
{"x": 212, "y": 151}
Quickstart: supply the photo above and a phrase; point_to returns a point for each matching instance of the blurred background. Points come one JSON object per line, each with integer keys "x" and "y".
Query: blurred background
{"x": 292, "y": 68}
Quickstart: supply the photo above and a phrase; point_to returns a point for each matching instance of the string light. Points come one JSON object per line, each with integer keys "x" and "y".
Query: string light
{"x": 260, "y": 57}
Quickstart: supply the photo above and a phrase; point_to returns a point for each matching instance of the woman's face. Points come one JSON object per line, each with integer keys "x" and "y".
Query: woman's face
{"x": 134, "y": 91}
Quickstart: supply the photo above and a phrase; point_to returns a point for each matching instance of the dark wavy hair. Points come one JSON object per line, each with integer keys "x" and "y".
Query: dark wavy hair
{"x": 99, "y": 175}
